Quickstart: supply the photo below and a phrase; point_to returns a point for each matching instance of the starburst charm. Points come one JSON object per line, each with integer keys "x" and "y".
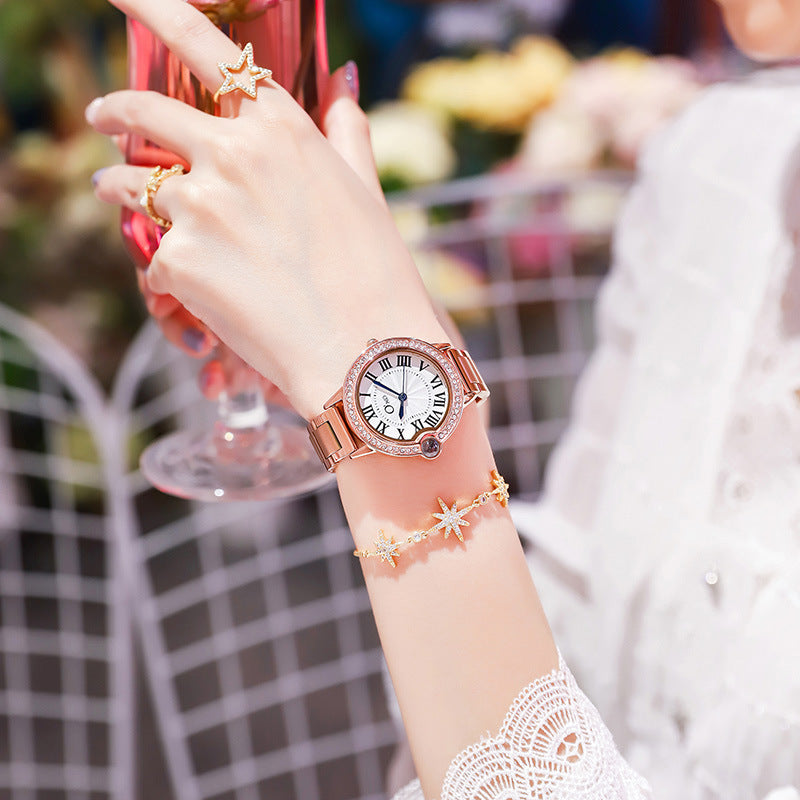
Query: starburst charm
{"x": 387, "y": 549}
{"x": 249, "y": 75}
{"x": 451, "y": 519}
{"x": 500, "y": 488}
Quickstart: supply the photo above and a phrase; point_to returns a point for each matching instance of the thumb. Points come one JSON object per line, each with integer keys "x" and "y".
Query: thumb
{"x": 346, "y": 126}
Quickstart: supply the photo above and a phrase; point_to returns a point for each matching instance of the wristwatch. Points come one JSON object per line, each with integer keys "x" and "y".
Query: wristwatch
{"x": 401, "y": 397}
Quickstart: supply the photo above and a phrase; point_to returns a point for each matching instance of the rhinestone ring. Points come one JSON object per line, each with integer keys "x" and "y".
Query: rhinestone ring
{"x": 242, "y": 76}
{"x": 157, "y": 177}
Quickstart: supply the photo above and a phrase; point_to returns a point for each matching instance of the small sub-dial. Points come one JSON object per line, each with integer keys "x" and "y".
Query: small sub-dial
{"x": 403, "y": 394}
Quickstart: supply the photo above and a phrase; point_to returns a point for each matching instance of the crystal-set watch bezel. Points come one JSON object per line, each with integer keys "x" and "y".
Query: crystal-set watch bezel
{"x": 414, "y": 447}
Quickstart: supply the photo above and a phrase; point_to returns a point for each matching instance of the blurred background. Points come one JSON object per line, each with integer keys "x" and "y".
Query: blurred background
{"x": 458, "y": 88}
{"x": 156, "y": 647}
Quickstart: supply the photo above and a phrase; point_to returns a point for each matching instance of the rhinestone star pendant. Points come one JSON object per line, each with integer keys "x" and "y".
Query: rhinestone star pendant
{"x": 451, "y": 519}
{"x": 387, "y": 549}
{"x": 240, "y": 77}
{"x": 500, "y": 488}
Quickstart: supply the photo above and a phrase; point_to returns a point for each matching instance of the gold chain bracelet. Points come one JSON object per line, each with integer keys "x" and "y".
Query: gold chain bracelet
{"x": 451, "y": 520}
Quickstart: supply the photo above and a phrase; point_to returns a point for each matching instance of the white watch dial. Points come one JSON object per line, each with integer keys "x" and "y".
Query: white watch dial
{"x": 402, "y": 394}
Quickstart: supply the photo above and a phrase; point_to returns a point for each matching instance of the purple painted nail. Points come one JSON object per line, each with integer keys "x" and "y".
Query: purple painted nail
{"x": 96, "y": 176}
{"x": 194, "y": 339}
{"x": 351, "y": 79}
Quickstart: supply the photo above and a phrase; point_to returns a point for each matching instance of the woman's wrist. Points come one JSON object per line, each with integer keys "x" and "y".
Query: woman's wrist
{"x": 311, "y": 388}
{"x": 398, "y": 495}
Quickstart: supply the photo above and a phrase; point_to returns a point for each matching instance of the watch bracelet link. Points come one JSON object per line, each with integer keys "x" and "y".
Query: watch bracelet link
{"x": 332, "y": 438}
{"x": 476, "y": 388}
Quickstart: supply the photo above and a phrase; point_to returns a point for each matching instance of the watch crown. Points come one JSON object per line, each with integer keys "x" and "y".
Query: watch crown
{"x": 429, "y": 446}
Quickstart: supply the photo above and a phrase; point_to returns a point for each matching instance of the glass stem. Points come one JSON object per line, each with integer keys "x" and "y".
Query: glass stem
{"x": 241, "y": 406}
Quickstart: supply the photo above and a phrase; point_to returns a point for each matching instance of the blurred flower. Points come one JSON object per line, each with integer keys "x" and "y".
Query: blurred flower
{"x": 595, "y": 206}
{"x": 563, "y": 139}
{"x": 493, "y": 90}
{"x": 458, "y": 284}
{"x": 630, "y": 95}
{"x": 411, "y": 143}
{"x": 608, "y": 108}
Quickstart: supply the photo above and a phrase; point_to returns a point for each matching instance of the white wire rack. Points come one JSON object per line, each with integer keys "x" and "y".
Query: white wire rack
{"x": 65, "y": 660}
{"x": 259, "y": 647}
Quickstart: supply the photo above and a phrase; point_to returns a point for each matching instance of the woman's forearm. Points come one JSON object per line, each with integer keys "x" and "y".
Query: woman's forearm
{"x": 461, "y": 624}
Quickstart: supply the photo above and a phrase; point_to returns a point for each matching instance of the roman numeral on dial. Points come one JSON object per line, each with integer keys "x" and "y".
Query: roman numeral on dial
{"x": 369, "y": 412}
{"x": 436, "y": 382}
{"x": 380, "y": 427}
{"x": 403, "y": 361}
{"x": 432, "y": 420}
{"x": 418, "y": 424}
{"x": 385, "y": 364}
{"x": 440, "y": 400}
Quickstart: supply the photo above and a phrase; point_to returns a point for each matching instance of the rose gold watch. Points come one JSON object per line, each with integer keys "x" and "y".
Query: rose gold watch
{"x": 401, "y": 397}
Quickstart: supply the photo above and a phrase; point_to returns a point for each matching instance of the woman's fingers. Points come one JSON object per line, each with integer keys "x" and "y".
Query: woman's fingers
{"x": 188, "y": 333}
{"x": 158, "y": 305}
{"x": 124, "y": 185}
{"x": 188, "y": 33}
{"x": 346, "y": 127}
{"x": 169, "y": 123}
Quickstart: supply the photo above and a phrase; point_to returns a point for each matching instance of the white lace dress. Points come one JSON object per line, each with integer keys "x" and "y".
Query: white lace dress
{"x": 552, "y": 744}
{"x": 679, "y": 478}
{"x": 679, "y": 483}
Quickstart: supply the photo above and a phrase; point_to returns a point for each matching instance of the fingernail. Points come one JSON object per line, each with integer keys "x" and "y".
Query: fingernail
{"x": 91, "y": 110}
{"x": 194, "y": 339}
{"x": 96, "y": 176}
{"x": 351, "y": 79}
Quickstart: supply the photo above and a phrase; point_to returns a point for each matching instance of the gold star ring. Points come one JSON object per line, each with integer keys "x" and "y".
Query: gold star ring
{"x": 157, "y": 177}
{"x": 242, "y": 76}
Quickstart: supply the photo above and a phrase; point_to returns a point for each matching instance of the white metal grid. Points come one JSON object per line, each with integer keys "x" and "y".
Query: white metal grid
{"x": 263, "y": 658}
{"x": 536, "y": 330}
{"x": 260, "y": 650}
{"x": 64, "y": 633}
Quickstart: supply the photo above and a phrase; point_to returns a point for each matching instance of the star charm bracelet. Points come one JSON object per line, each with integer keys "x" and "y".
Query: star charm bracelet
{"x": 450, "y": 520}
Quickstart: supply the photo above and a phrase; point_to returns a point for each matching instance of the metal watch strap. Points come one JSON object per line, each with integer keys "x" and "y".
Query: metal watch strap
{"x": 334, "y": 440}
{"x": 475, "y": 387}
{"x": 331, "y": 436}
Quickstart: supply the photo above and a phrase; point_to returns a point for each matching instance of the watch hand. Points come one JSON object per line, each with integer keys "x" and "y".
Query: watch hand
{"x": 403, "y": 397}
{"x": 386, "y": 388}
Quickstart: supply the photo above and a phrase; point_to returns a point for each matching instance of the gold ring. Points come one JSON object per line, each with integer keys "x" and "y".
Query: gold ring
{"x": 242, "y": 76}
{"x": 157, "y": 177}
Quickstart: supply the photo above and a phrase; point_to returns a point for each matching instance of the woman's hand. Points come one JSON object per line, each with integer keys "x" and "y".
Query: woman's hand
{"x": 764, "y": 29}
{"x": 277, "y": 245}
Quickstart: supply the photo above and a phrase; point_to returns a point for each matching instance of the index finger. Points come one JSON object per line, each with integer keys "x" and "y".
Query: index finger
{"x": 188, "y": 33}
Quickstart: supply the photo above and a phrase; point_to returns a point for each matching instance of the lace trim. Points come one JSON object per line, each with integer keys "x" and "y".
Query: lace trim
{"x": 552, "y": 744}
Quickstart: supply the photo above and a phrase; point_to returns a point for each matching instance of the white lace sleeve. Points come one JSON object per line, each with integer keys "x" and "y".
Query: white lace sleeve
{"x": 552, "y": 744}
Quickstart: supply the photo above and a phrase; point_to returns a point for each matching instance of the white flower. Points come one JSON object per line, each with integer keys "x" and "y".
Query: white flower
{"x": 562, "y": 139}
{"x": 411, "y": 143}
{"x": 629, "y": 96}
